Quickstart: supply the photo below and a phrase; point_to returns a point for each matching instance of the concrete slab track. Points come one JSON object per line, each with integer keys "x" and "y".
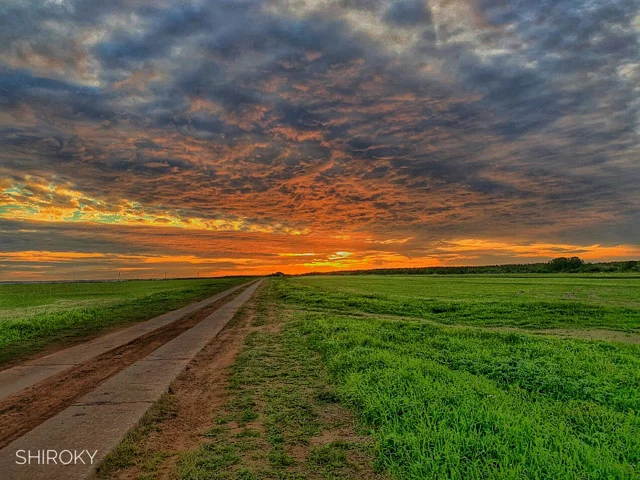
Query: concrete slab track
{"x": 99, "y": 420}
{"x": 15, "y": 379}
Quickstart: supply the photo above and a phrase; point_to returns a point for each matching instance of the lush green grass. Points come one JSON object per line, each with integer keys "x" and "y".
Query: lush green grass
{"x": 470, "y": 403}
{"x": 533, "y": 301}
{"x": 34, "y": 316}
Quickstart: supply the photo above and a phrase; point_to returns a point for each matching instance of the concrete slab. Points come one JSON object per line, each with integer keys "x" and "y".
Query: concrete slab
{"x": 144, "y": 381}
{"x": 18, "y": 378}
{"x": 99, "y": 420}
{"x": 78, "y": 428}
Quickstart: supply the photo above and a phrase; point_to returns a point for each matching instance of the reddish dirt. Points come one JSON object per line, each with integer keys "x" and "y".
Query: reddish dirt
{"x": 25, "y": 410}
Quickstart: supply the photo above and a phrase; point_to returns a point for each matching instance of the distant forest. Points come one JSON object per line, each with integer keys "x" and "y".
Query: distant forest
{"x": 557, "y": 265}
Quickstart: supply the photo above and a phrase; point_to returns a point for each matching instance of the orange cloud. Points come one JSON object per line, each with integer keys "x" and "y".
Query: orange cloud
{"x": 539, "y": 250}
{"x": 61, "y": 203}
{"x": 45, "y": 256}
{"x": 250, "y": 259}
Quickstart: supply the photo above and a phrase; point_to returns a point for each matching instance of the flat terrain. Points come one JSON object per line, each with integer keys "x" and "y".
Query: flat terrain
{"x": 35, "y": 318}
{"x": 412, "y": 377}
{"x": 526, "y": 301}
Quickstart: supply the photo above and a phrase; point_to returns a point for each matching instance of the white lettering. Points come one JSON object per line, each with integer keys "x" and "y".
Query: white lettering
{"x": 70, "y": 457}
{"x": 36, "y": 457}
{"x": 77, "y": 457}
{"x": 24, "y": 459}
{"x": 91, "y": 456}
{"x": 55, "y": 457}
{"x": 51, "y": 455}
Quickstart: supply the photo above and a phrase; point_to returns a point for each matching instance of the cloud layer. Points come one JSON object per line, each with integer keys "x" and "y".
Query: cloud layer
{"x": 246, "y": 135}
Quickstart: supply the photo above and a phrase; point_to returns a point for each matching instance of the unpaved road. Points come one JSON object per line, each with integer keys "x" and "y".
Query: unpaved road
{"x": 199, "y": 393}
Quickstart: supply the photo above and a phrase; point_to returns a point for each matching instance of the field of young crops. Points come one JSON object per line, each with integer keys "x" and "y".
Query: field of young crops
{"x": 454, "y": 379}
{"x": 34, "y": 316}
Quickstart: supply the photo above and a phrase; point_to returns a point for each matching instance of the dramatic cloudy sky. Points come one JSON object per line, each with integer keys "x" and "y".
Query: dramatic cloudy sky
{"x": 247, "y": 136}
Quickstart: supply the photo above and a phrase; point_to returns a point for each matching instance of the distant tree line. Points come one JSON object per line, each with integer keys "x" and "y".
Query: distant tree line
{"x": 557, "y": 265}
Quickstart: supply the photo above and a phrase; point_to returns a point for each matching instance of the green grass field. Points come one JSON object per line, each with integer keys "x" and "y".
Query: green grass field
{"x": 473, "y": 403}
{"x": 35, "y": 316}
{"x": 532, "y": 301}
{"x": 441, "y": 385}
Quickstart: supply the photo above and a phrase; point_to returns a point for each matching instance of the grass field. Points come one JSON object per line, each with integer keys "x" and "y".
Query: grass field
{"x": 35, "y": 316}
{"x": 534, "y": 301}
{"x": 473, "y": 403}
{"x": 441, "y": 386}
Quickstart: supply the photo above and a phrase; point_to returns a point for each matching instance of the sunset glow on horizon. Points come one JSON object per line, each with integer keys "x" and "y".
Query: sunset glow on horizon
{"x": 217, "y": 137}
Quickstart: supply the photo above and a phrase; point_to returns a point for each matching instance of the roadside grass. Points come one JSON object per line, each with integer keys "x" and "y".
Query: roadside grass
{"x": 535, "y": 302}
{"x": 36, "y": 316}
{"x": 130, "y": 451}
{"x": 282, "y": 420}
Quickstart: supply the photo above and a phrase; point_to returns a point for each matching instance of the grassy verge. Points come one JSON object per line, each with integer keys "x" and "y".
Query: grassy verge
{"x": 37, "y": 316}
{"x": 282, "y": 420}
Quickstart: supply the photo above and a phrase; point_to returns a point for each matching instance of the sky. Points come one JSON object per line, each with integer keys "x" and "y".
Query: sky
{"x": 147, "y": 138}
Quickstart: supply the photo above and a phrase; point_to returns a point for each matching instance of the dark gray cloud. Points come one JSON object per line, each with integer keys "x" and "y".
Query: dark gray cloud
{"x": 408, "y": 12}
{"x": 466, "y": 118}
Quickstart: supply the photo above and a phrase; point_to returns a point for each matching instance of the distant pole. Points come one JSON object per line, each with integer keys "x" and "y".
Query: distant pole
{"x": 118, "y": 276}
{"x": 165, "y": 274}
